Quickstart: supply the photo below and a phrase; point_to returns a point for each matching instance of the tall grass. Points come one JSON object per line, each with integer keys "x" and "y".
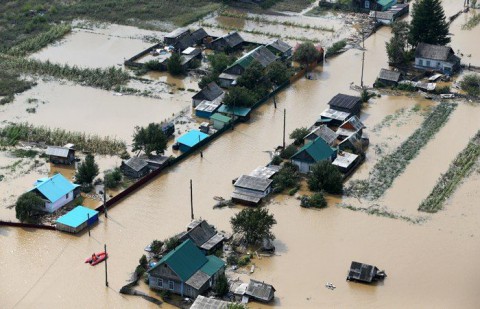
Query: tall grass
{"x": 391, "y": 166}
{"x": 460, "y": 168}
{"x": 13, "y": 133}
{"x": 472, "y": 22}
{"x": 39, "y": 41}
{"x": 100, "y": 78}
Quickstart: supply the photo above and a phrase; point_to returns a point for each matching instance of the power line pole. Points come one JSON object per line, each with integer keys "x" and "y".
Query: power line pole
{"x": 88, "y": 224}
{"x": 106, "y": 259}
{"x": 191, "y": 200}
{"x": 105, "y": 201}
{"x": 284, "y": 125}
{"x": 363, "y": 58}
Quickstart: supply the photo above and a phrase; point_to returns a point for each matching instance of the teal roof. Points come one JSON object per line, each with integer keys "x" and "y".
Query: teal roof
{"x": 246, "y": 59}
{"x": 239, "y": 111}
{"x": 191, "y": 138}
{"x": 184, "y": 260}
{"x": 55, "y": 187}
{"x": 220, "y": 117}
{"x": 318, "y": 149}
{"x": 213, "y": 265}
{"x": 386, "y": 4}
{"x": 77, "y": 216}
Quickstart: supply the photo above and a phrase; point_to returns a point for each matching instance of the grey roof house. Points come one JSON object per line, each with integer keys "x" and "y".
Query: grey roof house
{"x": 260, "y": 291}
{"x": 198, "y": 35}
{"x": 61, "y": 155}
{"x": 174, "y": 36}
{"x": 210, "y": 93}
{"x": 135, "y": 167}
{"x": 280, "y": 49}
{"x": 250, "y": 189}
{"x": 389, "y": 77}
{"x": 205, "y": 237}
{"x": 346, "y": 103}
{"x": 436, "y": 58}
{"x": 325, "y": 133}
{"x": 228, "y": 42}
{"x": 260, "y": 54}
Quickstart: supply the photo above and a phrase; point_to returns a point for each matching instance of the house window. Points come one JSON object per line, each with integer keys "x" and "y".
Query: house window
{"x": 159, "y": 282}
{"x": 428, "y": 63}
{"x": 438, "y": 64}
{"x": 420, "y": 62}
{"x": 171, "y": 284}
{"x": 367, "y": 4}
{"x": 188, "y": 290}
{"x": 66, "y": 196}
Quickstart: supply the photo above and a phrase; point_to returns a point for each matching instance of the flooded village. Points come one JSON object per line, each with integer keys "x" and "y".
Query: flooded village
{"x": 255, "y": 154}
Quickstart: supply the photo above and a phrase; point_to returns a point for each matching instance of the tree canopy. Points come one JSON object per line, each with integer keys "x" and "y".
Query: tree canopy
{"x": 397, "y": 45}
{"x": 174, "y": 64}
{"x": 428, "y": 23}
{"x": 278, "y": 72}
{"x": 220, "y": 61}
{"x": 471, "y": 84}
{"x": 28, "y": 205}
{"x": 87, "y": 171}
{"x": 113, "y": 178}
{"x": 299, "y": 135}
{"x": 254, "y": 223}
{"x": 306, "y": 53}
{"x": 324, "y": 176}
{"x": 239, "y": 96}
{"x": 252, "y": 75}
{"x": 149, "y": 139}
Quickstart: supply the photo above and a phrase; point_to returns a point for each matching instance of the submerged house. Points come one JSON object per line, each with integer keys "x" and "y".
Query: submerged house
{"x": 227, "y": 43}
{"x": 250, "y": 190}
{"x": 346, "y": 103}
{"x": 389, "y": 77}
{"x": 209, "y": 93}
{"x": 176, "y": 35}
{"x": 261, "y": 54}
{"x": 205, "y": 237}
{"x": 135, "y": 167}
{"x": 311, "y": 153}
{"x": 260, "y": 291}
{"x": 280, "y": 49}
{"x": 436, "y": 58}
{"x": 56, "y": 191}
{"x": 351, "y": 126}
{"x": 331, "y": 117}
{"x": 186, "y": 271}
{"x": 345, "y": 161}
{"x": 61, "y": 155}
{"x": 198, "y": 36}
{"x": 77, "y": 219}
{"x": 325, "y": 133}
{"x": 190, "y": 139}
{"x": 365, "y": 273}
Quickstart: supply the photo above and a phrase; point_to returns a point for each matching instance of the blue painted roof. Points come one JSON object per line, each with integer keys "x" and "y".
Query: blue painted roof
{"x": 192, "y": 138}
{"x": 239, "y": 111}
{"x": 77, "y": 216}
{"x": 55, "y": 187}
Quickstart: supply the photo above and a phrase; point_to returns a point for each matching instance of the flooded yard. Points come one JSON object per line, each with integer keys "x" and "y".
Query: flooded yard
{"x": 429, "y": 265}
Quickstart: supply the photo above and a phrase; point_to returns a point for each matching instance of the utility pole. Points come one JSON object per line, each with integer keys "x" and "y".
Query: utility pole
{"x": 274, "y": 101}
{"x": 106, "y": 259}
{"x": 363, "y": 58}
{"x": 191, "y": 200}
{"x": 105, "y": 201}
{"x": 88, "y": 219}
{"x": 284, "y": 124}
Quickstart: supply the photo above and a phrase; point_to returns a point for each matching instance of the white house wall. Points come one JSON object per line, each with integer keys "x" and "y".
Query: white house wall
{"x": 51, "y": 207}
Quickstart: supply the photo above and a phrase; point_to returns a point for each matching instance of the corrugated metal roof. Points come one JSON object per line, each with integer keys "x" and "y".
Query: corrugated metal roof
{"x": 55, "y": 187}
{"x": 389, "y": 75}
{"x": 136, "y": 163}
{"x": 260, "y": 54}
{"x": 220, "y": 117}
{"x": 209, "y": 92}
{"x": 175, "y": 33}
{"x": 213, "y": 265}
{"x": 184, "y": 260}
{"x": 318, "y": 149}
{"x": 280, "y": 45}
{"x": 238, "y": 110}
{"x": 203, "y": 302}
{"x": 260, "y": 290}
{"x": 324, "y": 132}
{"x": 198, "y": 280}
{"x": 191, "y": 138}
{"x": 434, "y": 52}
{"x": 344, "y": 159}
{"x": 344, "y": 101}
{"x": 57, "y": 151}
{"x": 77, "y": 216}
{"x": 253, "y": 183}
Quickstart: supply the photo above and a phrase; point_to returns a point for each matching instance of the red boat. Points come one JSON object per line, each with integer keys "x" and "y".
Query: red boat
{"x": 97, "y": 258}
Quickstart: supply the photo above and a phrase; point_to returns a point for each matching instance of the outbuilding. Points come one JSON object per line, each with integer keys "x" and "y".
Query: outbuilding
{"x": 77, "y": 219}
{"x": 61, "y": 155}
{"x": 346, "y": 103}
{"x": 210, "y": 92}
{"x": 207, "y": 108}
{"x": 220, "y": 121}
{"x": 260, "y": 291}
{"x": 389, "y": 77}
{"x": 176, "y": 35}
{"x": 345, "y": 161}
{"x": 243, "y": 113}
{"x": 365, "y": 273}
{"x": 250, "y": 190}
{"x": 135, "y": 167}
{"x": 190, "y": 139}
{"x": 227, "y": 43}
{"x": 332, "y": 118}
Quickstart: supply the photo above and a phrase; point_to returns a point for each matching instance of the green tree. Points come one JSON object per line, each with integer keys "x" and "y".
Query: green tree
{"x": 306, "y": 53}
{"x": 174, "y": 64}
{"x": 397, "y": 45}
{"x": 236, "y": 306}
{"x": 428, "y": 23}
{"x": 220, "y": 61}
{"x": 254, "y": 223}
{"x": 239, "y": 96}
{"x": 316, "y": 200}
{"x": 28, "y": 206}
{"x": 471, "y": 84}
{"x": 113, "y": 178}
{"x": 156, "y": 246}
{"x": 366, "y": 95}
{"x": 288, "y": 152}
{"x": 287, "y": 177}
{"x": 324, "y": 176}
{"x": 252, "y": 75}
{"x": 278, "y": 73}
{"x": 149, "y": 139}
{"x": 221, "y": 286}
{"x": 207, "y": 79}
{"x": 87, "y": 171}
{"x": 299, "y": 135}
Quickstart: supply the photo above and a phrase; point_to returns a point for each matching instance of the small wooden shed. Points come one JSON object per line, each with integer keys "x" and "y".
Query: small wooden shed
{"x": 389, "y": 78}
{"x": 220, "y": 121}
{"x": 77, "y": 219}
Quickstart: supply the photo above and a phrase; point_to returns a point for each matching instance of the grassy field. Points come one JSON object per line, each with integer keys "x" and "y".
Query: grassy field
{"x": 460, "y": 168}
{"x": 292, "y": 5}
{"x": 391, "y": 166}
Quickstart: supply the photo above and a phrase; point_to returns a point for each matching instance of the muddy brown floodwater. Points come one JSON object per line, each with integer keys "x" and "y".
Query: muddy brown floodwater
{"x": 432, "y": 265}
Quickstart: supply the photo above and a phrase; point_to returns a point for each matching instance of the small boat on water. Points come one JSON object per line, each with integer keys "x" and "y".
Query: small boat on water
{"x": 97, "y": 258}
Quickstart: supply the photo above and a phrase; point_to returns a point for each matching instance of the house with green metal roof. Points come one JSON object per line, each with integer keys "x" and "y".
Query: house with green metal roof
{"x": 311, "y": 153}
{"x": 56, "y": 191}
{"x": 186, "y": 271}
{"x": 375, "y": 5}
{"x": 261, "y": 54}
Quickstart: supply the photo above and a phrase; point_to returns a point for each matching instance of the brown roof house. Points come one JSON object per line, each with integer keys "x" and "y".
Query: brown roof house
{"x": 436, "y": 58}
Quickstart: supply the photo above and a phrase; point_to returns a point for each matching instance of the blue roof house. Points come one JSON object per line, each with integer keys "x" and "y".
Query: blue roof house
{"x": 190, "y": 139}
{"x": 186, "y": 271}
{"x": 56, "y": 191}
{"x": 77, "y": 219}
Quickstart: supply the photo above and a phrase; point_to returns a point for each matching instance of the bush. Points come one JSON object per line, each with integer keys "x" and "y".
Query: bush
{"x": 143, "y": 261}
{"x": 27, "y": 207}
{"x": 299, "y": 135}
{"x": 113, "y": 178}
{"x": 171, "y": 243}
{"x": 87, "y": 171}
{"x": 406, "y": 87}
{"x": 471, "y": 84}
{"x": 221, "y": 286}
{"x": 174, "y": 64}
{"x": 324, "y": 176}
{"x": 442, "y": 90}
{"x": 335, "y": 48}
{"x": 239, "y": 96}
{"x": 288, "y": 152}
{"x": 287, "y": 177}
{"x": 276, "y": 160}
{"x": 156, "y": 246}
{"x": 317, "y": 200}
{"x": 232, "y": 259}
{"x": 244, "y": 261}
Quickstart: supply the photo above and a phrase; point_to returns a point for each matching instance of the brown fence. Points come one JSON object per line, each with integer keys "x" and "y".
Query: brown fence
{"x": 27, "y": 225}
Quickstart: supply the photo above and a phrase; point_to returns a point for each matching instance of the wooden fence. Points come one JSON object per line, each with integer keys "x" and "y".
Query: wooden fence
{"x": 27, "y": 225}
